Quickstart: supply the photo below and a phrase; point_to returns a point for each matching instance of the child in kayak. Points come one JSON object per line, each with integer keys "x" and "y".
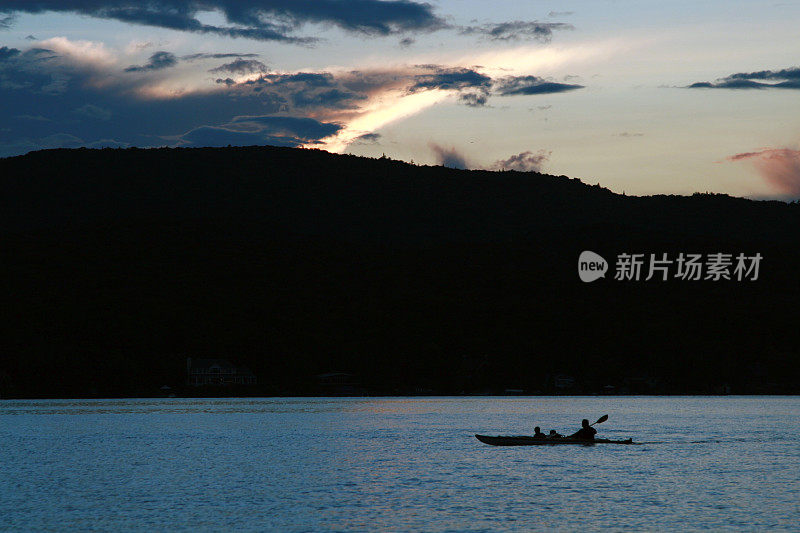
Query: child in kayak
{"x": 537, "y": 433}
{"x": 586, "y": 432}
{"x": 554, "y": 434}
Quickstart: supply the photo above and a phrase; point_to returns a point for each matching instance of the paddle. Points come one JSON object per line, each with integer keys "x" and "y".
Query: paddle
{"x": 600, "y": 420}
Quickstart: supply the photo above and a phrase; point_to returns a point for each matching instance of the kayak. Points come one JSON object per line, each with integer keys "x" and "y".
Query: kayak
{"x": 530, "y": 441}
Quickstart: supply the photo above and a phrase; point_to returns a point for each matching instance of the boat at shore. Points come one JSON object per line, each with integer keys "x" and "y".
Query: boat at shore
{"x": 531, "y": 441}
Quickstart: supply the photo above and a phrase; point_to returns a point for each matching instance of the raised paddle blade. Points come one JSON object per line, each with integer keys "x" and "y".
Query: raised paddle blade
{"x": 601, "y": 419}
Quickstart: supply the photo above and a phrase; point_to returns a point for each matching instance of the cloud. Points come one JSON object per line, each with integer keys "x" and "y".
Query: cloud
{"x": 193, "y": 57}
{"x": 523, "y": 162}
{"x": 81, "y": 92}
{"x": 560, "y": 13}
{"x": 36, "y": 70}
{"x": 93, "y": 112}
{"x": 448, "y": 157}
{"x": 241, "y": 66}
{"x": 367, "y": 138}
{"x": 304, "y": 90}
{"x": 61, "y": 140}
{"x": 788, "y": 78}
{"x": 157, "y": 61}
{"x": 473, "y": 99}
{"x": 217, "y": 136}
{"x": 527, "y": 161}
{"x": 266, "y": 20}
{"x": 83, "y": 89}
{"x": 529, "y": 85}
{"x": 406, "y": 42}
{"x": 38, "y": 118}
{"x": 629, "y": 134}
{"x": 787, "y": 73}
{"x": 258, "y": 130}
{"x": 450, "y": 79}
{"x": 7, "y": 21}
{"x": 517, "y": 30}
{"x": 366, "y": 100}
{"x": 7, "y": 53}
{"x": 107, "y": 143}
{"x": 83, "y": 54}
{"x": 778, "y": 166}
{"x": 472, "y": 87}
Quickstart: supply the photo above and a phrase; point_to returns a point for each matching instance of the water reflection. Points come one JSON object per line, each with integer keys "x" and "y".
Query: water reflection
{"x": 300, "y": 464}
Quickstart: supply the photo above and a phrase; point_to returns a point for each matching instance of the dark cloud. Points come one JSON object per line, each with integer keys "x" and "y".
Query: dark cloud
{"x": 788, "y": 78}
{"x": 7, "y": 53}
{"x": 30, "y": 38}
{"x": 87, "y": 98}
{"x": 38, "y": 118}
{"x": 48, "y": 100}
{"x": 307, "y": 129}
{"x": 778, "y": 166}
{"x": 451, "y": 79}
{"x": 307, "y": 79}
{"x": 630, "y": 134}
{"x": 408, "y": 41}
{"x": 268, "y": 20}
{"x": 216, "y": 136}
{"x": 787, "y": 73}
{"x": 523, "y": 162}
{"x": 448, "y": 157}
{"x": 7, "y": 21}
{"x": 527, "y": 85}
{"x": 193, "y": 57}
{"x": 302, "y": 89}
{"x": 331, "y": 98}
{"x": 36, "y": 70}
{"x": 157, "y": 61}
{"x": 560, "y": 13}
{"x": 367, "y": 138}
{"x": 472, "y": 86}
{"x": 517, "y": 30}
{"x": 241, "y": 66}
{"x": 258, "y": 130}
{"x": 107, "y": 143}
{"x": 93, "y": 112}
{"x": 61, "y": 140}
{"x": 473, "y": 99}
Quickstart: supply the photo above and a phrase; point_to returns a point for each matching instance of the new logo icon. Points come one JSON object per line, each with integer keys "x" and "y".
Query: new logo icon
{"x": 591, "y": 266}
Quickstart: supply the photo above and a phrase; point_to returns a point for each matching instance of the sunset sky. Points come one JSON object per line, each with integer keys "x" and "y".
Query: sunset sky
{"x": 640, "y": 96}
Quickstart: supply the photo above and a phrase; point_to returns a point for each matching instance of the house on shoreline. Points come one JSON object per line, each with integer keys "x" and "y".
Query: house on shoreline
{"x": 201, "y": 372}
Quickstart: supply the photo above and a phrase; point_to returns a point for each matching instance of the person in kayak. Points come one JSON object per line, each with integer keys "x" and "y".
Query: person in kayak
{"x": 586, "y": 432}
{"x": 554, "y": 434}
{"x": 537, "y": 433}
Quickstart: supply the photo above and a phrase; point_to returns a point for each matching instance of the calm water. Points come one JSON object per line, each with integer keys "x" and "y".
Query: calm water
{"x": 397, "y": 464}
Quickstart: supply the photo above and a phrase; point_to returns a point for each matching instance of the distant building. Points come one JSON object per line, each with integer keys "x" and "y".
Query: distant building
{"x": 217, "y": 372}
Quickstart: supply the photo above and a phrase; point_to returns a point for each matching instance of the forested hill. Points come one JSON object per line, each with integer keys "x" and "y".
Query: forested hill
{"x": 118, "y": 264}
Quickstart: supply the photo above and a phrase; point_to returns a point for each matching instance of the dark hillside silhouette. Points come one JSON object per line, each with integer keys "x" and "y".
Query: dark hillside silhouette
{"x": 117, "y": 265}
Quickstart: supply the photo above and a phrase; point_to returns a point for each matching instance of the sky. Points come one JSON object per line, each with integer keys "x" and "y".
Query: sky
{"x": 642, "y": 97}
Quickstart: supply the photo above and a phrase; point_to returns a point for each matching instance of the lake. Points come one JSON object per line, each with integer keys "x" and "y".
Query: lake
{"x": 397, "y": 464}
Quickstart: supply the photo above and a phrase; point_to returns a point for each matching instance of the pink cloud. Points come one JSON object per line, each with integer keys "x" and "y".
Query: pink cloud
{"x": 779, "y": 166}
